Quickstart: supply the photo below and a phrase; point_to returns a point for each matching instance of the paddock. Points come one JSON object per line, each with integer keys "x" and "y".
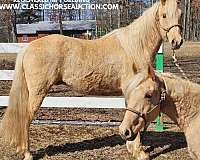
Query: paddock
{"x": 100, "y": 141}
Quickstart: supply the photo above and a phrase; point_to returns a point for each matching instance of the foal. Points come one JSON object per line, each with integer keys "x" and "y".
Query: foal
{"x": 181, "y": 104}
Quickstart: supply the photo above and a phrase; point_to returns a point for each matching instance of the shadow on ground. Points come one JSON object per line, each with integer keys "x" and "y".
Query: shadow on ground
{"x": 96, "y": 143}
{"x": 167, "y": 141}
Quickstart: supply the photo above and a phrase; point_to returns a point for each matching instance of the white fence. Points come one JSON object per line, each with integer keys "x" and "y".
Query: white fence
{"x": 11, "y": 47}
{"x": 72, "y": 102}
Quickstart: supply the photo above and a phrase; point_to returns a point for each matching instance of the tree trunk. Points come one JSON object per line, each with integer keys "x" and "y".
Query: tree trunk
{"x": 185, "y": 19}
{"x": 14, "y": 27}
{"x": 119, "y": 16}
{"x": 188, "y": 19}
{"x": 60, "y": 21}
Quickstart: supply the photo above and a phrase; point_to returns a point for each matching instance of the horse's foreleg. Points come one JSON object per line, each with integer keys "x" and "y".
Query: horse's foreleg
{"x": 136, "y": 149}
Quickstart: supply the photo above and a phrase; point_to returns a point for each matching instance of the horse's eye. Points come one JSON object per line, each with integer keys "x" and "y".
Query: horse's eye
{"x": 148, "y": 95}
{"x": 164, "y": 15}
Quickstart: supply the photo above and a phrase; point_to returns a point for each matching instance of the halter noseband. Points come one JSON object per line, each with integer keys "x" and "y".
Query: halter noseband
{"x": 175, "y": 25}
{"x": 168, "y": 29}
{"x": 144, "y": 115}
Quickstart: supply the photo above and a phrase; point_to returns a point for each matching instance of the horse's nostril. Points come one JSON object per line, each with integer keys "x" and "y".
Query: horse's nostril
{"x": 181, "y": 42}
{"x": 173, "y": 42}
{"x": 127, "y": 133}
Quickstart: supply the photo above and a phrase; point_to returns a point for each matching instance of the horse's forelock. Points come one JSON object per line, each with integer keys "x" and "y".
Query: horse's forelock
{"x": 171, "y": 7}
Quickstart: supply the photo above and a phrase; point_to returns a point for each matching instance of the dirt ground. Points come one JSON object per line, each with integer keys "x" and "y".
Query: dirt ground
{"x": 188, "y": 49}
{"x": 61, "y": 142}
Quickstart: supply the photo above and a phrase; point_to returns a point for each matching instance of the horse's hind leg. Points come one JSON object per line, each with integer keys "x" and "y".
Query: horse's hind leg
{"x": 35, "y": 100}
{"x": 34, "y": 104}
{"x": 37, "y": 92}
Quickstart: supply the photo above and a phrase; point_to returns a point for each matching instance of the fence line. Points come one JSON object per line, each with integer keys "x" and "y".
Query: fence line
{"x": 72, "y": 102}
{"x": 77, "y": 102}
{"x": 11, "y": 47}
{"x": 6, "y": 75}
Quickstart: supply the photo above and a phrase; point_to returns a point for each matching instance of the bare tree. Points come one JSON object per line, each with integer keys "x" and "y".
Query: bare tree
{"x": 8, "y": 21}
{"x": 60, "y": 18}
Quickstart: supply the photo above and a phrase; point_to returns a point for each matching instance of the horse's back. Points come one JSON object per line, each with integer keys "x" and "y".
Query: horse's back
{"x": 92, "y": 66}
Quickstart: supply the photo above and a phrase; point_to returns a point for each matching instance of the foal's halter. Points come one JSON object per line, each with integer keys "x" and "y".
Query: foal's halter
{"x": 144, "y": 115}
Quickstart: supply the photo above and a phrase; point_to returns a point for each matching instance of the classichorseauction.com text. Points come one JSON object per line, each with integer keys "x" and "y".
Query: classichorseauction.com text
{"x": 53, "y": 4}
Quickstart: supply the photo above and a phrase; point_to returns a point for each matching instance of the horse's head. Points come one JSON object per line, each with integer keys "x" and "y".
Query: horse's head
{"x": 169, "y": 19}
{"x": 143, "y": 107}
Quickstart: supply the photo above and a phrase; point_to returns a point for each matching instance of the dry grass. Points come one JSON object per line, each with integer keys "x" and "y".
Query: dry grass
{"x": 8, "y": 57}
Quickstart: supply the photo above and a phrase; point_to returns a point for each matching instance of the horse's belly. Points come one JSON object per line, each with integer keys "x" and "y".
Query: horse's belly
{"x": 97, "y": 83}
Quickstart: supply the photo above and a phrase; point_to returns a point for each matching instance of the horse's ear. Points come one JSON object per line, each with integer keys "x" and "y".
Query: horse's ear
{"x": 163, "y": 2}
{"x": 151, "y": 73}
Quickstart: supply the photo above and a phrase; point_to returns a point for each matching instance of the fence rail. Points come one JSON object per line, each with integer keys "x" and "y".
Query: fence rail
{"x": 11, "y": 47}
{"x": 77, "y": 102}
{"x": 6, "y": 75}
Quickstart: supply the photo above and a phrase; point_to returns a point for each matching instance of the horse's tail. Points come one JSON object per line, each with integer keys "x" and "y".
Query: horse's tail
{"x": 15, "y": 123}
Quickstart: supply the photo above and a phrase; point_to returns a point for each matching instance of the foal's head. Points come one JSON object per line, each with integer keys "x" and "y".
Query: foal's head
{"x": 169, "y": 19}
{"x": 143, "y": 106}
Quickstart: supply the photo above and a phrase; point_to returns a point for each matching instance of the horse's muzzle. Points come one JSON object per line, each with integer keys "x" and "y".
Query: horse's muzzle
{"x": 176, "y": 44}
{"x": 128, "y": 135}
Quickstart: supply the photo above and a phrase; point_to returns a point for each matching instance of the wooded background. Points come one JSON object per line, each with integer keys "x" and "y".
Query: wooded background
{"x": 107, "y": 20}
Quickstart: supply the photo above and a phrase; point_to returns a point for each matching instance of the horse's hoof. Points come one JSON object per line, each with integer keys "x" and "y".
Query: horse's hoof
{"x": 28, "y": 156}
{"x": 144, "y": 156}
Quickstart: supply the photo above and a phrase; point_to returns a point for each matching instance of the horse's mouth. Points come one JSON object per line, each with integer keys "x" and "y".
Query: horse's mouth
{"x": 130, "y": 138}
{"x": 176, "y": 47}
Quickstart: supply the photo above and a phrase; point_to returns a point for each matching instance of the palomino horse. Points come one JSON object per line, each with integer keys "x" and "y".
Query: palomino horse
{"x": 177, "y": 98}
{"x": 119, "y": 60}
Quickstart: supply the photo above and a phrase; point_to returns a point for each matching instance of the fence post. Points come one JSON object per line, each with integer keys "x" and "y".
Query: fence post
{"x": 160, "y": 68}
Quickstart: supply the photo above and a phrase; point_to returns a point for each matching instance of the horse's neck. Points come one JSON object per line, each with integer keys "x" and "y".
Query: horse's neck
{"x": 184, "y": 101}
{"x": 142, "y": 38}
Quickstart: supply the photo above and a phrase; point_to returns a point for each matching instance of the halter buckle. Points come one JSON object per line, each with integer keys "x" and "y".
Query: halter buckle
{"x": 163, "y": 95}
